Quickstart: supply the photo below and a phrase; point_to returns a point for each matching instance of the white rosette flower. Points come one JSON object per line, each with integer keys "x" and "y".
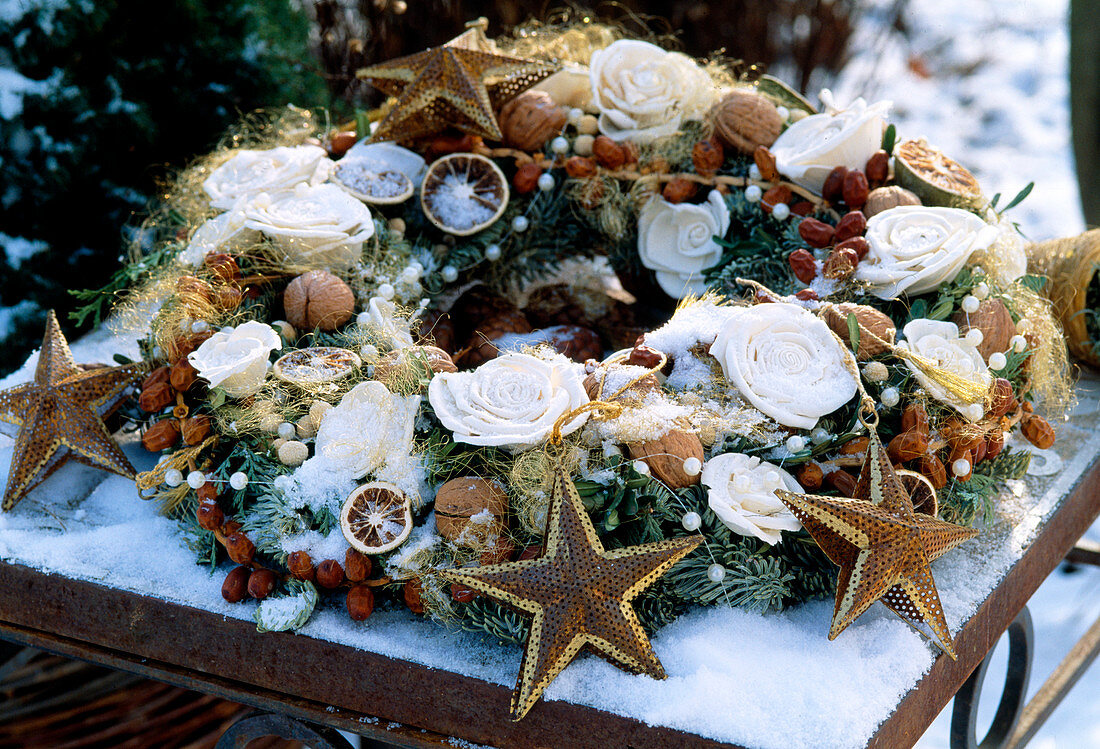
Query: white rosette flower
{"x": 319, "y": 226}
{"x": 369, "y": 428}
{"x": 917, "y": 248}
{"x": 214, "y": 234}
{"x": 676, "y": 241}
{"x": 249, "y": 173}
{"x": 812, "y": 147}
{"x": 512, "y": 401}
{"x": 644, "y": 92}
{"x": 236, "y": 360}
{"x": 785, "y": 362}
{"x": 940, "y": 343}
{"x": 741, "y": 492}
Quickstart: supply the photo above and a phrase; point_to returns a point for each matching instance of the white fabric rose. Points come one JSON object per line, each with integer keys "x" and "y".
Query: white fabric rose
{"x": 367, "y": 429}
{"x": 917, "y": 248}
{"x": 812, "y": 147}
{"x": 940, "y": 343}
{"x": 236, "y": 360}
{"x": 212, "y": 236}
{"x": 512, "y": 401}
{"x": 741, "y": 492}
{"x": 250, "y": 173}
{"x": 318, "y": 226}
{"x": 785, "y": 362}
{"x": 676, "y": 240}
{"x": 644, "y": 92}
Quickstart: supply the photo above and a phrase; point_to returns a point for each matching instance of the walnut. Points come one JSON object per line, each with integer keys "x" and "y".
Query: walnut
{"x": 870, "y": 320}
{"x": 318, "y": 299}
{"x": 884, "y": 198}
{"x": 665, "y": 457}
{"x": 470, "y": 510}
{"x": 481, "y": 346}
{"x": 995, "y": 322}
{"x": 745, "y": 119}
{"x": 531, "y": 119}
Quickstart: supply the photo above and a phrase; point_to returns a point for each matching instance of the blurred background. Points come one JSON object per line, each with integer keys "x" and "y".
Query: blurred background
{"x": 99, "y": 100}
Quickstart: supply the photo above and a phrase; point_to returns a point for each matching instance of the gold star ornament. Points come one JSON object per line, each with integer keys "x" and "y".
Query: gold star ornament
{"x": 459, "y": 84}
{"x": 882, "y": 546}
{"x": 59, "y": 415}
{"x": 579, "y": 595}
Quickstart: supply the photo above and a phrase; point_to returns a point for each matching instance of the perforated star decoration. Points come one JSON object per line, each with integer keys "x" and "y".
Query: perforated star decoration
{"x": 59, "y": 415}
{"x": 459, "y": 84}
{"x": 580, "y": 595}
{"x": 882, "y": 546}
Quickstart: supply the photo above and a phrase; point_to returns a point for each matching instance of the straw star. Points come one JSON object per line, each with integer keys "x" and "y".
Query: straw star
{"x": 883, "y": 547}
{"x": 579, "y": 595}
{"x": 60, "y": 414}
{"x": 459, "y": 84}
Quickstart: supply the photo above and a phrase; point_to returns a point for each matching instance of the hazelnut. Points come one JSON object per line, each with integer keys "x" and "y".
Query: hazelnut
{"x": 665, "y": 457}
{"x": 300, "y": 565}
{"x": 411, "y": 594}
{"x": 531, "y": 119}
{"x": 873, "y": 325}
{"x": 744, "y": 119}
{"x": 884, "y": 198}
{"x": 995, "y": 322}
{"x": 341, "y": 142}
{"x": 318, "y": 299}
{"x": 470, "y": 510}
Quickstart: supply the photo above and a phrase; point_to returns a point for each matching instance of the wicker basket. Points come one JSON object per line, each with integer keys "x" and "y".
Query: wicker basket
{"x": 1070, "y": 264}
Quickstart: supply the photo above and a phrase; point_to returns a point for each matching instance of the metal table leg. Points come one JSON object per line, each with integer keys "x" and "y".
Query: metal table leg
{"x": 258, "y": 724}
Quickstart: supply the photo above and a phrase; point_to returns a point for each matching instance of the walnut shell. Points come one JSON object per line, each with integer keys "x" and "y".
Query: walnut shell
{"x": 745, "y": 119}
{"x": 318, "y": 299}
{"x": 884, "y": 198}
{"x": 995, "y": 322}
{"x": 869, "y": 318}
{"x": 459, "y": 500}
{"x": 480, "y": 348}
{"x": 531, "y": 119}
{"x": 665, "y": 457}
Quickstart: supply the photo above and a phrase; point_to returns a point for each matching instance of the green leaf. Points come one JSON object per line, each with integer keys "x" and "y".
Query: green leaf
{"x": 217, "y": 397}
{"x": 918, "y": 310}
{"x": 993, "y": 203}
{"x": 888, "y": 139}
{"x": 853, "y": 331}
{"x": 362, "y": 123}
{"x": 1033, "y": 282}
{"x": 1019, "y": 197}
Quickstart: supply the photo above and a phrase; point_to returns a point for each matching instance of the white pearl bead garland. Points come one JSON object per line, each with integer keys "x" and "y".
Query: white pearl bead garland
{"x": 716, "y": 573}
{"x": 449, "y": 273}
{"x": 559, "y": 145}
{"x": 691, "y": 521}
{"x": 890, "y": 397}
{"x": 997, "y": 360}
{"x": 960, "y": 467}
{"x": 546, "y": 182}
{"x": 493, "y": 253}
{"x": 795, "y": 443}
{"x": 238, "y": 480}
{"x": 196, "y": 479}
{"x": 781, "y": 212}
{"x": 520, "y": 224}
{"x": 693, "y": 466}
{"x": 173, "y": 477}
{"x": 970, "y": 304}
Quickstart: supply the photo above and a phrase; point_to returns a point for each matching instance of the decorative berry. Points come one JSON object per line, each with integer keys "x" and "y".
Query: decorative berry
{"x": 235, "y": 587}
{"x": 260, "y": 583}
{"x": 330, "y": 574}
{"x": 360, "y": 602}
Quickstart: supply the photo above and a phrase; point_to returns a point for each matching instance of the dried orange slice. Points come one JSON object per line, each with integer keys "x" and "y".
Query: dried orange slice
{"x": 920, "y": 491}
{"x": 366, "y": 181}
{"x": 935, "y": 178}
{"x": 463, "y": 193}
{"x": 376, "y": 518}
{"x": 316, "y": 365}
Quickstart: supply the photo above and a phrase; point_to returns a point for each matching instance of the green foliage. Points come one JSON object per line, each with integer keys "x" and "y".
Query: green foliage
{"x": 965, "y": 502}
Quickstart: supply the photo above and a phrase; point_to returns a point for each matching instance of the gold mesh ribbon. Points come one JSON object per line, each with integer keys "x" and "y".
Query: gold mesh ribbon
{"x": 1070, "y": 264}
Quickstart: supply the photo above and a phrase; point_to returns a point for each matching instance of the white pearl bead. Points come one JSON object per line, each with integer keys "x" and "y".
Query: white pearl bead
{"x": 997, "y": 360}
{"x": 283, "y": 483}
{"x": 981, "y": 291}
{"x": 368, "y": 352}
{"x": 890, "y": 397}
{"x": 691, "y": 521}
{"x": 196, "y": 479}
{"x": 546, "y": 182}
{"x": 200, "y": 326}
{"x": 753, "y": 193}
{"x": 386, "y": 291}
{"x": 493, "y": 253}
{"x": 641, "y": 467}
{"x": 772, "y": 480}
{"x": 795, "y": 443}
{"x": 716, "y": 573}
{"x": 781, "y": 212}
{"x": 173, "y": 477}
{"x": 611, "y": 450}
{"x": 784, "y": 113}
{"x": 970, "y": 304}
{"x": 975, "y": 337}
{"x": 286, "y": 430}
{"x": 1018, "y": 343}
{"x": 559, "y": 145}
{"x": 819, "y": 436}
{"x": 875, "y": 371}
{"x": 975, "y": 411}
{"x": 238, "y": 480}
{"x": 960, "y": 467}
{"x": 754, "y": 172}
{"x": 575, "y": 116}
{"x": 692, "y": 466}
{"x": 449, "y": 273}
{"x": 520, "y": 224}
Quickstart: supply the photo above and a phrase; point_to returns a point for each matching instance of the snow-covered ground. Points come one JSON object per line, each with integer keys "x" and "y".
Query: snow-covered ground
{"x": 987, "y": 82}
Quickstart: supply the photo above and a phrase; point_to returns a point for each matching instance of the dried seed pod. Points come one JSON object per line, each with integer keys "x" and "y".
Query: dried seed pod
{"x": 1003, "y": 399}
{"x": 877, "y": 330}
{"x": 878, "y": 167}
{"x": 856, "y": 446}
{"x": 498, "y": 550}
{"x": 183, "y": 375}
{"x": 816, "y": 233}
{"x": 580, "y": 167}
{"x": 833, "y": 189}
{"x": 810, "y": 476}
{"x": 765, "y": 162}
{"x": 526, "y": 178}
{"x": 330, "y": 574}
{"x": 163, "y": 435}
{"x": 240, "y": 549}
{"x": 208, "y": 492}
{"x": 665, "y": 457}
{"x": 679, "y": 189}
{"x": 807, "y": 295}
{"x": 360, "y": 603}
{"x": 463, "y": 594}
{"x": 774, "y": 196}
{"x": 932, "y": 468}
{"x": 223, "y": 266}
{"x": 745, "y": 119}
{"x": 851, "y": 224}
{"x": 209, "y": 515}
{"x": 301, "y": 566}
{"x": 855, "y": 188}
{"x": 260, "y": 583}
{"x": 193, "y": 293}
{"x": 803, "y": 265}
{"x": 318, "y": 299}
{"x": 235, "y": 587}
{"x": 530, "y": 119}
{"x": 357, "y": 566}
{"x": 907, "y": 446}
{"x": 842, "y": 481}
{"x": 228, "y": 298}
{"x": 411, "y": 594}
{"x": 608, "y": 153}
{"x": 994, "y": 444}
{"x": 1038, "y": 431}
{"x": 707, "y": 156}
{"x": 156, "y": 396}
{"x": 858, "y": 245}
{"x": 195, "y": 429}
{"x": 340, "y": 142}
{"x": 840, "y": 264}
{"x": 915, "y": 418}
